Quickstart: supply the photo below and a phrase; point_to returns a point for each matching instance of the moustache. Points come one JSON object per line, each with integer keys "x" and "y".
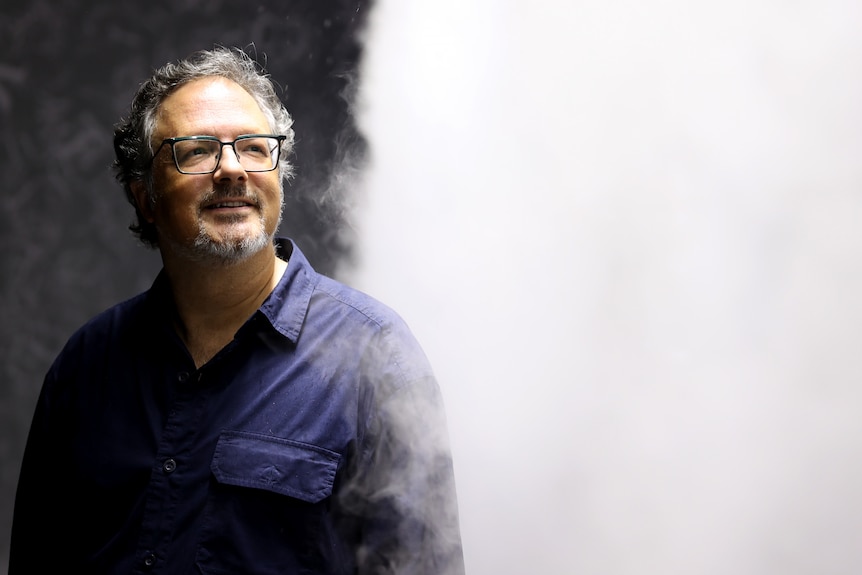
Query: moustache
{"x": 230, "y": 192}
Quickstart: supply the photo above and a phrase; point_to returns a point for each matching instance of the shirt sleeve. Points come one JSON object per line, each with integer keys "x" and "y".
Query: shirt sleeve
{"x": 401, "y": 491}
{"x": 37, "y": 543}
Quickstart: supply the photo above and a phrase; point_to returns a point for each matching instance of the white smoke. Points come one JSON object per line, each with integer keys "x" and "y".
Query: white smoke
{"x": 629, "y": 236}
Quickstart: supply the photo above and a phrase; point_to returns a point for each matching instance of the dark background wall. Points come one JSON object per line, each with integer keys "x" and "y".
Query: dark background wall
{"x": 68, "y": 69}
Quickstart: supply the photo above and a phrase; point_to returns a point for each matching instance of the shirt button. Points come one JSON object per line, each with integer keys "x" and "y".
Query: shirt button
{"x": 169, "y": 465}
{"x": 149, "y": 560}
{"x": 183, "y": 376}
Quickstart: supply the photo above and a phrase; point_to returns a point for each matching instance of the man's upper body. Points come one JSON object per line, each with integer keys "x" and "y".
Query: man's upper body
{"x": 312, "y": 443}
{"x": 246, "y": 414}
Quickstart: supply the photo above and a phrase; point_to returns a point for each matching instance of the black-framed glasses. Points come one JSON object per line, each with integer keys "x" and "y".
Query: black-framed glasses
{"x": 201, "y": 154}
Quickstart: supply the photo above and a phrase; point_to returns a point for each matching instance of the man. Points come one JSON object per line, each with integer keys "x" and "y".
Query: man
{"x": 245, "y": 414}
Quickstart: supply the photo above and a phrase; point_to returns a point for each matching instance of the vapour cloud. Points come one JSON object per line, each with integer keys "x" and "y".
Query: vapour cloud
{"x": 627, "y": 235}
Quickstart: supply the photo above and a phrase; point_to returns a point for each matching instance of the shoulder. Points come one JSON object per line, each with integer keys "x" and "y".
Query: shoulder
{"x": 352, "y": 300}
{"x": 121, "y": 326}
{"x": 305, "y": 297}
{"x": 392, "y": 345}
{"x": 112, "y": 319}
{"x": 346, "y": 321}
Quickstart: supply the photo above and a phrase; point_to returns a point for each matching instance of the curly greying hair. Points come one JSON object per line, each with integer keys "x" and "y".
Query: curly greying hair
{"x": 133, "y": 136}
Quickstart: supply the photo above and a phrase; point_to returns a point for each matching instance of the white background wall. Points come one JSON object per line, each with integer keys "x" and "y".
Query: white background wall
{"x": 629, "y": 236}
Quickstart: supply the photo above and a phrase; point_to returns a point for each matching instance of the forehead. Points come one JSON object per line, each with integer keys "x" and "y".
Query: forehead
{"x": 210, "y": 106}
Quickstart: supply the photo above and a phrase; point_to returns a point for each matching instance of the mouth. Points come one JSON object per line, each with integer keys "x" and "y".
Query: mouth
{"x": 230, "y": 204}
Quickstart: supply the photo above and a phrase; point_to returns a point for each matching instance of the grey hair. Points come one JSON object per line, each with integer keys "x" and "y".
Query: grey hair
{"x": 133, "y": 143}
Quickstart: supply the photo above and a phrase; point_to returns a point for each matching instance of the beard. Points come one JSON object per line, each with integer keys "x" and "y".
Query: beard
{"x": 233, "y": 248}
{"x": 235, "y": 243}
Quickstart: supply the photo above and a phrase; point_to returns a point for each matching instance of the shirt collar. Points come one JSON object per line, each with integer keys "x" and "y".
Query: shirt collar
{"x": 287, "y": 306}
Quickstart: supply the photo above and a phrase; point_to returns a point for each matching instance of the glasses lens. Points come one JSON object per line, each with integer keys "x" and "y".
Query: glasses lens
{"x": 257, "y": 153}
{"x": 197, "y": 156}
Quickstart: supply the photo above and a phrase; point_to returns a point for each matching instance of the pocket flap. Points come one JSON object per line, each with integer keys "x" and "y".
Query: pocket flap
{"x": 291, "y": 468}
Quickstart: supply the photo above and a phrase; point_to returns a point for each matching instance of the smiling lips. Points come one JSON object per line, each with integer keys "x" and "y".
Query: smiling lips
{"x": 227, "y": 204}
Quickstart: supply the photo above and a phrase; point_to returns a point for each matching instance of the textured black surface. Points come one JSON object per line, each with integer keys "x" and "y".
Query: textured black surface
{"x": 68, "y": 69}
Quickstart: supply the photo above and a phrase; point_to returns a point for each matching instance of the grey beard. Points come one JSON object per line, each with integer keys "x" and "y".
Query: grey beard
{"x": 205, "y": 249}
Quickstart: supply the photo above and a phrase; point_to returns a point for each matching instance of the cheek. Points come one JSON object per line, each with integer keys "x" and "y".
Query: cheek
{"x": 177, "y": 203}
{"x": 271, "y": 192}
{"x": 181, "y": 190}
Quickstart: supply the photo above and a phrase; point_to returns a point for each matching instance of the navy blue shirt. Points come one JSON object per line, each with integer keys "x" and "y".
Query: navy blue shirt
{"x": 315, "y": 442}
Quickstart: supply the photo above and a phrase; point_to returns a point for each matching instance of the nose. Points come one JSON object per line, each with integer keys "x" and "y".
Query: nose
{"x": 228, "y": 167}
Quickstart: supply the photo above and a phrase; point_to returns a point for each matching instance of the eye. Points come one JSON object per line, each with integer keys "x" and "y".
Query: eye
{"x": 253, "y": 147}
{"x": 190, "y": 152}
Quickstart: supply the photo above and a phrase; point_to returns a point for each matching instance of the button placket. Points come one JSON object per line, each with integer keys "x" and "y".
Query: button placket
{"x": 162, "y": 493}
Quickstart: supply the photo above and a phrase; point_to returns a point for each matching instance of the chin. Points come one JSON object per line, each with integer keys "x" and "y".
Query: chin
{"x": 209, "y": 249}
{"x": 229, "y": 250}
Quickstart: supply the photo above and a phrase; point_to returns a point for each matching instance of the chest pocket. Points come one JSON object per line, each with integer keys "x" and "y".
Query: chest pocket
{"x": 267, "y": 509}
{"x": 299, "y": 470}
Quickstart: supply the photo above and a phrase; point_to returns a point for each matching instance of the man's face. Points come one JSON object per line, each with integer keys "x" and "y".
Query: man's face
{"x": 226, "y": 215}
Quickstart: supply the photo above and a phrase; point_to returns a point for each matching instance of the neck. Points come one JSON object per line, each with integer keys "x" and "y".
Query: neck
{"x": 214, "y": 300}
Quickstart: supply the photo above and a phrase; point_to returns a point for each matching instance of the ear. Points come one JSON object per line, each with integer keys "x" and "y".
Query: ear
{"x": 142, "y": 201}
